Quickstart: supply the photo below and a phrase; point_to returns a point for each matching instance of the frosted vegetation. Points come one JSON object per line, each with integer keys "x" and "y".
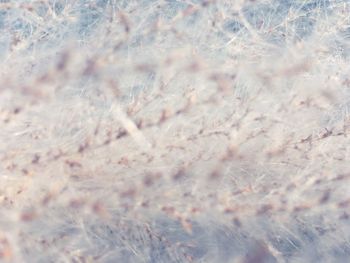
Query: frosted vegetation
{"x": 174, "y": 131}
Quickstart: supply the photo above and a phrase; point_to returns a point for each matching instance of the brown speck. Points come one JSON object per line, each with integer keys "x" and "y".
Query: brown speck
{"x": 28, "y": 216}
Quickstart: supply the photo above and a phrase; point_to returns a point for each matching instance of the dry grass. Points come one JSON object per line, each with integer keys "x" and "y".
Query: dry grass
{"x": 174, "y": 131}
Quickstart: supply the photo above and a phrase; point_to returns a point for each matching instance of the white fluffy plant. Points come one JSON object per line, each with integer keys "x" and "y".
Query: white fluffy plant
{"x": 174, "y": 131}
